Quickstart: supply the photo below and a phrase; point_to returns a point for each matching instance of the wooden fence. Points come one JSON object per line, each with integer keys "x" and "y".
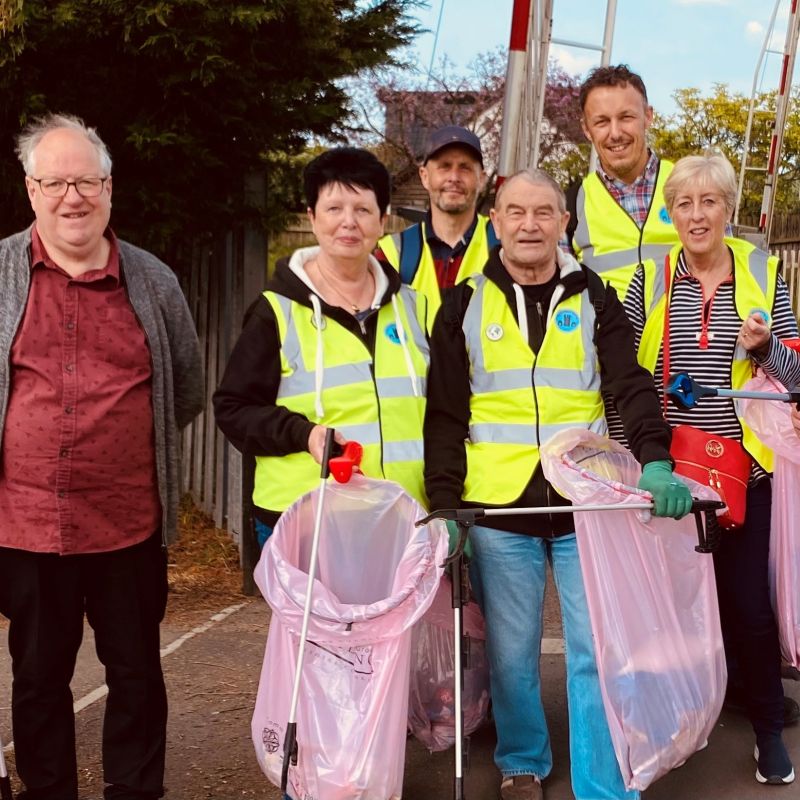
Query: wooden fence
{"x": 221, "y": 280}
{"x": 785, "y": 228}
{"x": 791, "y": 272}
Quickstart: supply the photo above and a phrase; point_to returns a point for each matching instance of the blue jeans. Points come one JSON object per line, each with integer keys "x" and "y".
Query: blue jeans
{"x": 511, "y": 575}
{"x": 263, "y": 532}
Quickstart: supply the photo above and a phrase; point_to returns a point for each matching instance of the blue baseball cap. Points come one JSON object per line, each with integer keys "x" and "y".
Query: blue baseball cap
{"x": 453, "y": 134}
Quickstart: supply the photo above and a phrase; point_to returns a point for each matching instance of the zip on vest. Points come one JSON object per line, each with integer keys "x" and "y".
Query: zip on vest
{"x": 378, "y": 407}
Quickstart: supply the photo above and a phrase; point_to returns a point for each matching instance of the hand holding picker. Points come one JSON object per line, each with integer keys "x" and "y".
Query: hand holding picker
{"x": 686, "y": 392}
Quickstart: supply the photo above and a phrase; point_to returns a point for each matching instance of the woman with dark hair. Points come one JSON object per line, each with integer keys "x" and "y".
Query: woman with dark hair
{"x": 716, "y": 308}
{"x": 335, "y": 341}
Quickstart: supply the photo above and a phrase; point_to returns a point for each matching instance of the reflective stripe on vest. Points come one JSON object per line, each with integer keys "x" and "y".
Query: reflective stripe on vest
{"x": 425, "y": 281}
{"x": 755, "y": 281}
{"x": 609, "y": 241}
{"x": 518, "y": 399}
{"x": 377, "y": 410}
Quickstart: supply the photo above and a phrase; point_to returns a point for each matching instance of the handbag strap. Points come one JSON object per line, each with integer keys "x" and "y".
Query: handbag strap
{"x": 665, "y": 337}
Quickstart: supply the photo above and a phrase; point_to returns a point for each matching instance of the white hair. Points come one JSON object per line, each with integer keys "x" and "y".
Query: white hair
{"x": 711, "y": 169}
{"x": 538, "y": 177}
{"x": 35, "y": 131}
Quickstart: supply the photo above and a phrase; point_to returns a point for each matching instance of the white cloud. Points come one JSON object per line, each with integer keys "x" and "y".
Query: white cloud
{"x": 573, "y": 64}
{"x": 755, "y": 29}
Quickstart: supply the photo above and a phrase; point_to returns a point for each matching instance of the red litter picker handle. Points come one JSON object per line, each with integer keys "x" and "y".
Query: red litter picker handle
{"x": 347, "y": 462}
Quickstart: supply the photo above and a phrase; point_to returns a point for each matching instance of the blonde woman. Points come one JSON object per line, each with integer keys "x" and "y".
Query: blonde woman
{"x": 713, "y": 308}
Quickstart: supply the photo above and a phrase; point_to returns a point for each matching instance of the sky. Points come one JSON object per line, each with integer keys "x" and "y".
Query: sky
{"x": 672, "y": 44}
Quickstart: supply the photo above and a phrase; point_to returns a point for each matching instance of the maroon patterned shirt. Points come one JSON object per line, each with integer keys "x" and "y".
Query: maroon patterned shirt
{"x": 446, "y": 259}
{"x": 77, "y": 468}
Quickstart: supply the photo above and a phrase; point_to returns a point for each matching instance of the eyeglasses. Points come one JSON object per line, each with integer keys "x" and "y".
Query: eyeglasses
{"x": 85, "y": 187}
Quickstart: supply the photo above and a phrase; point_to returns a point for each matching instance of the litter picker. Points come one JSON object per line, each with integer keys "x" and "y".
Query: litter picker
{"x": 5, "y": 781}
{"x": 457, "y": 564}
{"x": 290, "y": 740}
{"x": 342, "y": 466}
{"x": 686, "y": 392}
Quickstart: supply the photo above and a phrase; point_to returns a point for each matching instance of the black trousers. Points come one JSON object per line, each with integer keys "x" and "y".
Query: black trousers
{"x": 748, "y": 622}
{"x": 123, "y": 595}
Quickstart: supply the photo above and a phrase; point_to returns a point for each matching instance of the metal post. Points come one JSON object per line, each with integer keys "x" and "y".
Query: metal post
{"x": 543, "y": 56}
{"x": 784, "y": 97}
{"x": 605, "y": 59}
{"x": 751, "y": 112}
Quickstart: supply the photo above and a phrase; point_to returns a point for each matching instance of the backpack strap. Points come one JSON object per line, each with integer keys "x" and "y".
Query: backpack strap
{"x": 572, "y": 206}
{"x": 596, "y": 288}
{"x": 410, "y": 253}
{"x": 491, "y": 237}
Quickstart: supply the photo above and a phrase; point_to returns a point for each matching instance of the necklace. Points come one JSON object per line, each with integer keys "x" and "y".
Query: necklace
{"x": 354, "y": 307}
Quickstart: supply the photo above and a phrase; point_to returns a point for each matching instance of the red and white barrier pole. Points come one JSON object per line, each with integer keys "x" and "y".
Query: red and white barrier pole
{"x": 515, "y": 89}
{"x": 784, "y": 98}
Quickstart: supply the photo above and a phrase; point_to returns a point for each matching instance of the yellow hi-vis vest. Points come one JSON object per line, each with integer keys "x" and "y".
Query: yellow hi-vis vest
{"x": 755, "y": 275}
{"x": 367, "y": 398}
{"x": 422, "y": 267}
{"x": 609, "y": 241}
{"x": 519, "y": 399}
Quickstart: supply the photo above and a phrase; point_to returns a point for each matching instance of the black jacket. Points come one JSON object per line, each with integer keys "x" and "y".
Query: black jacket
{"x": 244, "y": 403}
{"x": 447, "y": 415}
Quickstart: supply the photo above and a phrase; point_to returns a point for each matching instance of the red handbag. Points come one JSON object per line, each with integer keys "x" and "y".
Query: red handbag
{"x": 718, "y": 461}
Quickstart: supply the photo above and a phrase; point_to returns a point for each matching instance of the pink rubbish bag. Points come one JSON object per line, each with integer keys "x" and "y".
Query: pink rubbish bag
{"x": 771, "y": 422}
{"x": 431, "y": 707}
{"x": 376, "y": 576}
{"x": 653, "y": 609}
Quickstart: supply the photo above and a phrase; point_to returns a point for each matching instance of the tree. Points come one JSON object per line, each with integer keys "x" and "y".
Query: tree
{"x": 400, "y": 109}
{"x": 719, "y": 120}
{"x": 190, "y": 95}
{"x": 564, "y": 151}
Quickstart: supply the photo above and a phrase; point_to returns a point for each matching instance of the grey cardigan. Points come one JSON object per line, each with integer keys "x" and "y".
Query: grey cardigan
{"x": 159, "y": 304}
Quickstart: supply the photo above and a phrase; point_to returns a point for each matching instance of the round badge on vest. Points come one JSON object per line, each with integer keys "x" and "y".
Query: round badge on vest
{"x": 567, "y": 320}
{"x": 391, "y": 333}
{"x": 764, "y": 314}
{"x": 664, "y": 216}
{"x": 494, "y": 332}
{"x": 314, "y": 321}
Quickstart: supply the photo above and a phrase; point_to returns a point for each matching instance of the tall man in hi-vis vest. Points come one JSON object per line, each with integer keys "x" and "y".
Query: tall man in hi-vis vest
{"x": 453, "y": 241}
{"x": 618, "y": 218}
{"x": 517, "y": 353}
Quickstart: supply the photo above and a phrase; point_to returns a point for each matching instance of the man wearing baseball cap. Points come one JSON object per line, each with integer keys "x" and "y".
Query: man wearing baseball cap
{"x": 453, "y": 241}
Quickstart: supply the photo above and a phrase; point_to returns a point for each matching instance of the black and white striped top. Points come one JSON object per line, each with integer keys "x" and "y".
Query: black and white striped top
{"x": 709, "y": 365}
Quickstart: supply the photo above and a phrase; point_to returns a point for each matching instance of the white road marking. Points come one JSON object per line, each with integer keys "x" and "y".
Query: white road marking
{"x": 102, "y": 691}
{"x": 549, "y": 647}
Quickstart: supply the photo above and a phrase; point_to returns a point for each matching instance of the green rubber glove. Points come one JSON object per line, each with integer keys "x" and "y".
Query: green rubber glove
{"x": 453, "y": 535}
{"x": 671, "y": 497}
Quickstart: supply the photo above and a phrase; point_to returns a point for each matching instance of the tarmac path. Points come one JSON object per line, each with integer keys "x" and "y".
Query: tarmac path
{"x": 212, "y": 664}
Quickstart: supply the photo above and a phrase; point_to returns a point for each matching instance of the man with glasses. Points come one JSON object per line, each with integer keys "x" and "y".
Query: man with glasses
{"x": 99, "y": 369}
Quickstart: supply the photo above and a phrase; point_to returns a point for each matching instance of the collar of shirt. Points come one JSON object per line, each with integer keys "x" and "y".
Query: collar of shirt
{"x": 648, "y": 174}
{"x": 440, "y": 248}
{"x": 682, "y": 270}
{"x": 39, "y": 255}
